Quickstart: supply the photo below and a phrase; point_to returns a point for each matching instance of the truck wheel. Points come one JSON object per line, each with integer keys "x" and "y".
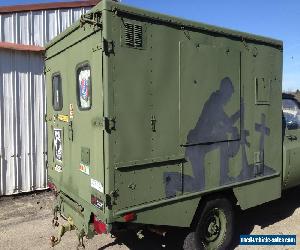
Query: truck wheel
{"x": 215, "y": 226}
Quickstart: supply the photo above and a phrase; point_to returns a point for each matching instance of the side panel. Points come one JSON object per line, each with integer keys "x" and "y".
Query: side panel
{"x": 159, "y": 94}
{"x": 146, "y": 100}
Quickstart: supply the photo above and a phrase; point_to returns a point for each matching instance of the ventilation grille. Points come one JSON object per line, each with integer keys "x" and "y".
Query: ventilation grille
{"x": 129, "y": 34}
{"x": 133, "y": 35}
{"x": 138, "y": 36}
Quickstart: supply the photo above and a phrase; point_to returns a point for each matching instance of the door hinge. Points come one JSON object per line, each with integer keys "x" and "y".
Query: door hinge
{"x": 111, "y": 197}
{"x": 48, "y": 118}
{"x": 47, "y": 164}
{"x": 109, "y": 124}
{"x": 46, "y": 70}
{"x": 108, "y": 46}
{"x": 91, "y": 18}
{"x": 70, "y": 130}
{"x": 153, "y": 123}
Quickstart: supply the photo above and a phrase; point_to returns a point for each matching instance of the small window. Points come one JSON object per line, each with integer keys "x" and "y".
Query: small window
{"x": 291, "y": 113}
{"x": 84, "y": 87}
{"x": 57, "y": 97}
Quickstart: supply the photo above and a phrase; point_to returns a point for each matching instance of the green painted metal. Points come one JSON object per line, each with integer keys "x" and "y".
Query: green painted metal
{"x": 178, "y": 109}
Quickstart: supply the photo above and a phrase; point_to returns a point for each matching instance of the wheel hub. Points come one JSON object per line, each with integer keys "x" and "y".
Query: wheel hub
{"x": 213, "y": 226}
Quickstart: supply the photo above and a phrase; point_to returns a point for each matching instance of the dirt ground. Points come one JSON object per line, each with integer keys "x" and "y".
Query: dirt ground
{"x": 25, "y": 223}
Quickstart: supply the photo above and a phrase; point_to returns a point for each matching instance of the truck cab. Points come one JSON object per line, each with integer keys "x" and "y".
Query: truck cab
{"x": 291, "y": 141}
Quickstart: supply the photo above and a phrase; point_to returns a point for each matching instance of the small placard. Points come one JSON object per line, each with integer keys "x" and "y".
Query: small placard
{"x": 58, "y": 168}
{"x": 84, "y": 169}
{"x": 97, "y": 185}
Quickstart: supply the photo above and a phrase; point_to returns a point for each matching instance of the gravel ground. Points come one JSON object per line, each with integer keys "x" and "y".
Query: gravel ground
{"x": 25, "y": 223}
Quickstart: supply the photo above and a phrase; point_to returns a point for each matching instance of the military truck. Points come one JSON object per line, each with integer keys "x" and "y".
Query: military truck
{"x": 154, "y": 120}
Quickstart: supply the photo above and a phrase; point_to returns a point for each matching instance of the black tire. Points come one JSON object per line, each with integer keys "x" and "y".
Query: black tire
{"x": 215, "y": 225}
{"x": 189, "y": 242}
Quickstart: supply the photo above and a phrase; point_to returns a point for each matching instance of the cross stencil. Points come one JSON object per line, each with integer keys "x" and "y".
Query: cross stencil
{"x": 264, "y": 130}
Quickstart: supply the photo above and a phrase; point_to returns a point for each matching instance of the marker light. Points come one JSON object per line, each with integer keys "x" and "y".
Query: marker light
{"x": 51, "y": 186}
{"x": 99, "y": 226}
{"x": 129, "y": 217}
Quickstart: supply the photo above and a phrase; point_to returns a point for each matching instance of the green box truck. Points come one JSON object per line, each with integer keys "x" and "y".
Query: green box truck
{"x": 155, "y": 120}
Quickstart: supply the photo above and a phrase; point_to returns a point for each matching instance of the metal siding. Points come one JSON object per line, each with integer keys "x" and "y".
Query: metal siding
{"x": 22, "y": 109}
{"x": 37, "y": 27}
{"x": 23, "y": 99}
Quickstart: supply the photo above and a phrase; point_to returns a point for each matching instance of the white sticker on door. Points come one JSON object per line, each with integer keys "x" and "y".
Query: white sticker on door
{"x": 58, "y": 168}
{"x": 58, "y": 150}
{"x": 97, "y": 185}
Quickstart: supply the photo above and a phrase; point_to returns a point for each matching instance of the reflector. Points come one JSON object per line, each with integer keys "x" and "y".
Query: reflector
{"x": 129, "y": 217}
{"x": 99, "y": 226}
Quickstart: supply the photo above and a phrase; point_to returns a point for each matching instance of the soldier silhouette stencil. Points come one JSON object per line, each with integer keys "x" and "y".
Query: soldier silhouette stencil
{"x": 212, "y": 132}
{"x": 215, "y": 130}
{"x": 214, "y": 124}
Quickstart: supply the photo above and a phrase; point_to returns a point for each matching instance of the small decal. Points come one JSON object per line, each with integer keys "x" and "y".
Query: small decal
{"x": 71, "y": 112}
{"x": 97, "y": 185}
{"x": 84, "y": 88}
{"x": 84, "y": 91}
{"x": 84, "y": 169}
{"x": 58, "y": 150}
{"x": 58, "y": 168}
{"x": 63, "y": 118}
{"x": 97, "y": 202}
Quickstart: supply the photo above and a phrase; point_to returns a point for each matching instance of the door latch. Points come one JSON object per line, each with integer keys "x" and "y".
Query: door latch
{"x": 153, "y": 123}
{"x": 109, "y": 124}
{"x": 108, "y": 47}
{"x": 291, "y": 137}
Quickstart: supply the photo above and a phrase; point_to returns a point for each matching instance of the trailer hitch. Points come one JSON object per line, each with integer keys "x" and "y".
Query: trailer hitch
{"x": 69, "y": 226}
{"x": 55, "y": 217}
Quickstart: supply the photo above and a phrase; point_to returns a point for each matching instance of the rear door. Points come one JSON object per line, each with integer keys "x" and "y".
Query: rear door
{"x": 75, "y": 119}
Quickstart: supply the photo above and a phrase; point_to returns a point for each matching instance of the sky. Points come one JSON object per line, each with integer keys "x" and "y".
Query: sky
{"x": 278, "y": 19}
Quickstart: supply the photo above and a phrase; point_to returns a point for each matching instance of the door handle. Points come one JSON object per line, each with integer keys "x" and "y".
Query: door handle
{"x": 153, "y": 123}
{"x": 291, "y": 137}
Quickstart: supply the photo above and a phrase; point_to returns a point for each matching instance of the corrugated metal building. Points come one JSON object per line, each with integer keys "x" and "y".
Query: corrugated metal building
{"x": 24, "y": 30}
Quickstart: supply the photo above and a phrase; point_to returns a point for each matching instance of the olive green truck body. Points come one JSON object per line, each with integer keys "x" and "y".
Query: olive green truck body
{"x": 147, "y": 114}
